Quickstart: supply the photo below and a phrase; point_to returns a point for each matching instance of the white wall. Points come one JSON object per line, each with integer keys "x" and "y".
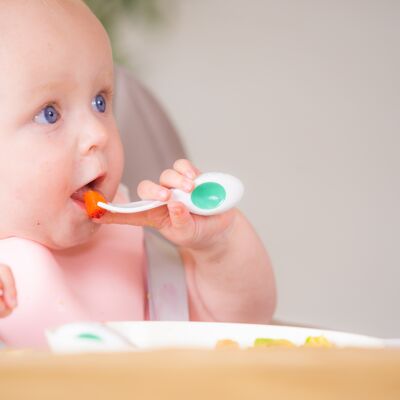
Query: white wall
{"x": 301, "y": 100}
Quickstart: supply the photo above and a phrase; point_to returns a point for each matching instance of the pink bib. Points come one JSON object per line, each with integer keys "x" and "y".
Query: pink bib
{"x": 103, "y": 280}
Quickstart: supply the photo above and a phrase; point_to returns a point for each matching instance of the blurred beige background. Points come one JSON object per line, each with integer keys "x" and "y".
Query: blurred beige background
{"x": 301, "y": 100}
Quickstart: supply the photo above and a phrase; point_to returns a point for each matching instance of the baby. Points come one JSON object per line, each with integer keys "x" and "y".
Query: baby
{"x": 58, "y": 138}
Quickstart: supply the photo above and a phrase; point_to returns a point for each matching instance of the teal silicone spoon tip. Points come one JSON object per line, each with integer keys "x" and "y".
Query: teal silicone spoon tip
{"x": 208, "y": 195}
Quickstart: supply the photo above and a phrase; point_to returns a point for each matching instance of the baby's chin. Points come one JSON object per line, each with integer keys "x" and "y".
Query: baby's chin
{"x": 70, "y": 238}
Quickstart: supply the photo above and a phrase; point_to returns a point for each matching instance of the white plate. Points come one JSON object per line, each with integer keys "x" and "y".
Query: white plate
{"x": 146, "y": 335}
{"x": 153, "y": 335}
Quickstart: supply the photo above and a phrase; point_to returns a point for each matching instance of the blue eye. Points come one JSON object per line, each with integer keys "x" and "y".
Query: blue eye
{"x": 49, "y": 115}
{"x": 99, "y": 103}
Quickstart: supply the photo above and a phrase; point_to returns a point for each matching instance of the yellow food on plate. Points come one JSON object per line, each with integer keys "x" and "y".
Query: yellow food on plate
{"x": 266, "y": 342}
{"x": 311, "y": 341}
{"x": 317, "y": 341}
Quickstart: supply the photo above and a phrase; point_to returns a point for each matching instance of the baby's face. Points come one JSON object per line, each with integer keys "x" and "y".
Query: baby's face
{"x": 57, "y": 130}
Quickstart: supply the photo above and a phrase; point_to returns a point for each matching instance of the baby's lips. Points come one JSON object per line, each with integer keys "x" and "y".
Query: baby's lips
{"x": 91, "y": 198}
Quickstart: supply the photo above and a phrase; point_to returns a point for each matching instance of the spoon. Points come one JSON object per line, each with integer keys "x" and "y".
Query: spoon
{"x": 214, "y": 193}
{"x": 78, "y": 337}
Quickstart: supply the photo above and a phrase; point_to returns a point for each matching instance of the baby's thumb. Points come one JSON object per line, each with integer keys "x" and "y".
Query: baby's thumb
{"x": 138, "y": 219}
{"x": 180, "y": 216}
{"x": 8, "y": 292}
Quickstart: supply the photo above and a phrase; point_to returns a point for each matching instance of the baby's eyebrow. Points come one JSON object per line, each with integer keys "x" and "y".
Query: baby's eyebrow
{"x": 62, "y": 85}
{"x": 53, "y": 86}
{"x": 70, "y": 84}
{"x": 105, "y": 77}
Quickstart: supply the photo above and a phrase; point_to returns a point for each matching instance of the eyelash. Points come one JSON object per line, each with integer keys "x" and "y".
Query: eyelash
{"x": 43, "y": 108}
{"x": 107, "y": 93}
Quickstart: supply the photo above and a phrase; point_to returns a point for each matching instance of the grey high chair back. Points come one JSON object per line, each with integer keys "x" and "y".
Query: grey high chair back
{"x": 151, "y": 145}
{"x": 150, "y": 141}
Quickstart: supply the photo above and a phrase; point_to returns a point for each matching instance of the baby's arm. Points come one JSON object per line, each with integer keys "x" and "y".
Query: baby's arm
{"x": 8, "y": 292}
{"x": 232, "y": 279}
{"x": 229, "y": 274}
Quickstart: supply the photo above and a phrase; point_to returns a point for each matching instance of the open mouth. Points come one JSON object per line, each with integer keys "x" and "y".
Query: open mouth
{"x": 92, "y": 185}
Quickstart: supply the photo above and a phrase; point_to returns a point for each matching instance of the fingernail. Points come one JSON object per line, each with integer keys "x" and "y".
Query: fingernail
{"x": 12, "y": 302}
{"x": 176, "y": 211}
{"x": 174, "y": 208}
{"x": 187, "y": 185}
{"x": 190, "y": 174}
{"x": 163, "y": 193}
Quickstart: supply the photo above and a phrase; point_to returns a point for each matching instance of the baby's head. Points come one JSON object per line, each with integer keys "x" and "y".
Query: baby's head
{"x": 57, "y": 130}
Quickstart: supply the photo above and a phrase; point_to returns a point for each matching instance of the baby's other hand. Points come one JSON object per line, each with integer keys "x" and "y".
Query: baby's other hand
{"x": 8, "y": 292}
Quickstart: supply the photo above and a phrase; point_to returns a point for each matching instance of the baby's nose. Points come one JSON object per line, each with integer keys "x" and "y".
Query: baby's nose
{"x": 93, "y": 136}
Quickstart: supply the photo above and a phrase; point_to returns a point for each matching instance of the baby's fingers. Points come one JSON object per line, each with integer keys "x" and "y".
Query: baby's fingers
{"x": 173, "y": 179}
{"x": 185, "y": 167}
{"x": 155, "y": 218}
{"x": 8, "y": 292}
{"x": 5, "y": 311}
{"x": 148, "y": 190}
{"x": 181, "y": 219}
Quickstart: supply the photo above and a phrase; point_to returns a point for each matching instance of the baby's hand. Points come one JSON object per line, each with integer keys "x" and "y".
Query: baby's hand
{"x": 174, "y": 221}
{"x": 8, "y": 293}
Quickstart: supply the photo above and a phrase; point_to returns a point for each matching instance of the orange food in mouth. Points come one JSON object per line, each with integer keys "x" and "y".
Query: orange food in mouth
{"x": 91, "y": 198}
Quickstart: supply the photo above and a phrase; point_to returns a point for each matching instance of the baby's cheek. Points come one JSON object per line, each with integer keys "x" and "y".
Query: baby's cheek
{"x": 115, "y": 154}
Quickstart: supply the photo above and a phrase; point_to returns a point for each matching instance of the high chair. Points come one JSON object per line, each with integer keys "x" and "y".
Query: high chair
{"x": 151, "y": 145}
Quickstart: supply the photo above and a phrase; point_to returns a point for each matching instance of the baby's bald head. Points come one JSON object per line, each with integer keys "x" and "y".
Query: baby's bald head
{"x": 25, "y": 7}
{"x": 16, "y": 11}
{"x": 37, "y": 36}
{"x": 34, "y": 23}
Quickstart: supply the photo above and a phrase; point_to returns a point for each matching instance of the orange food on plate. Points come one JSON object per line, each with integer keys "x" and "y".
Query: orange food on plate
{"x": 227, "y": 343}
{"x": 91, "y": 198}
